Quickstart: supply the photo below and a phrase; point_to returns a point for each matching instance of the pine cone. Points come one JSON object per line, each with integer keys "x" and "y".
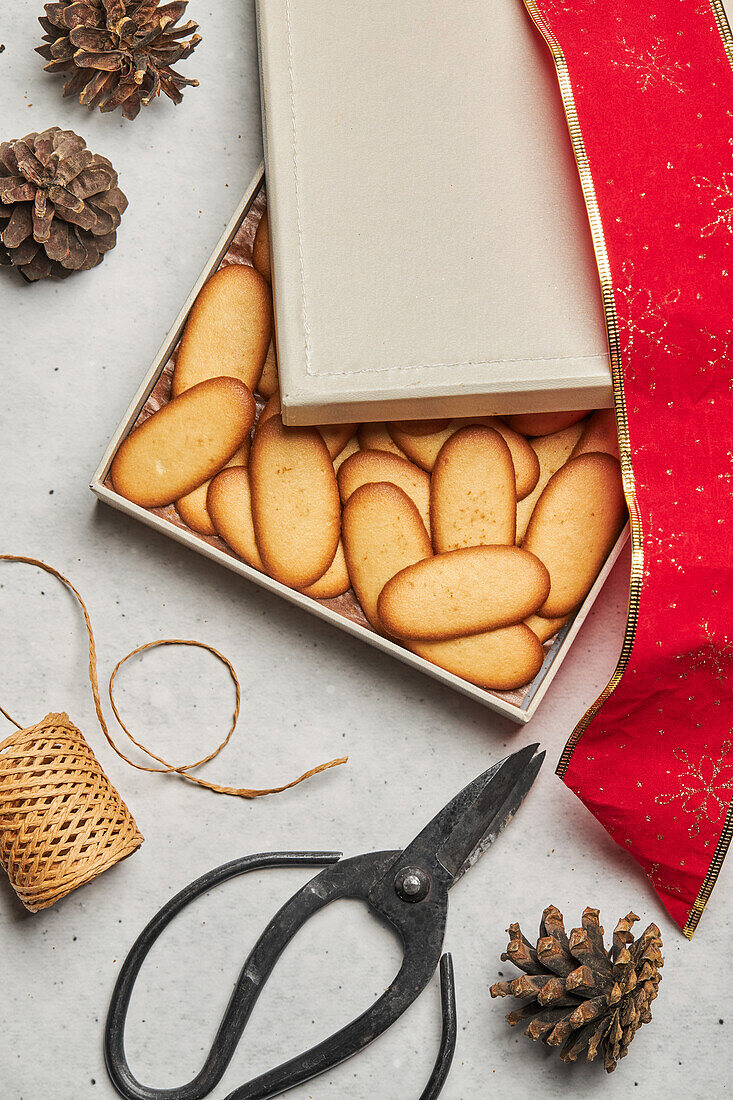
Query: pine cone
{"x": 119, "y": 53}
{"x": 59, "y": 204}
{"x": 580, "y": 995}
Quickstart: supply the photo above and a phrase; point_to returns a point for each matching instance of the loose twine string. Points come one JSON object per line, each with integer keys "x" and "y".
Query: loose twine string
{"x": 178, "y": 769}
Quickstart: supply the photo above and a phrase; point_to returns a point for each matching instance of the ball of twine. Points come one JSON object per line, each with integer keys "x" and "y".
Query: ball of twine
{"x": 62, "y": 822}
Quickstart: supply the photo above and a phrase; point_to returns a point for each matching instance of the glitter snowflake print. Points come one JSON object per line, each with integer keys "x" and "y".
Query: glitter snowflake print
{"x": 719, "y": 199}
{"x": 650, "y": 65}
{"x": 655, "y": 877}
{"x": 713, "y": 656}
{"x": 718, "y": 352}
{"x": 642, "y": 320}
{"x": 705, "y": 787}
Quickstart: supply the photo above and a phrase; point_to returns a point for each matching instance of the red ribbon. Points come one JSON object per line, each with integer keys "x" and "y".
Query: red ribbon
{"x": 648, "y": 91}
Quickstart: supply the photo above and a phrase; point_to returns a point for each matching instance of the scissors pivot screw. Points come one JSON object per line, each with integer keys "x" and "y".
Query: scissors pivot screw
{"x": 412, "y": 884}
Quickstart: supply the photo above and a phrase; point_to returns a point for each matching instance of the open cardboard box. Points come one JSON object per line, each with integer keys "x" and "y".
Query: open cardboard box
{"x": 344, "y": 611}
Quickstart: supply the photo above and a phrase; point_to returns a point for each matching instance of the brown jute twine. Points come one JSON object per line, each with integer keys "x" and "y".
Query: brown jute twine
{"x": 62, "y": 822}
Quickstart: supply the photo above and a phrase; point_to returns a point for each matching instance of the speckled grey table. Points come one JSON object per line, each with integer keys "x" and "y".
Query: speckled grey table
{"x": 72, "y": 356}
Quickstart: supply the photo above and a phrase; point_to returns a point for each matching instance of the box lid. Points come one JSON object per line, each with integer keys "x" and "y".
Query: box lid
{"x": 430, "y": 247}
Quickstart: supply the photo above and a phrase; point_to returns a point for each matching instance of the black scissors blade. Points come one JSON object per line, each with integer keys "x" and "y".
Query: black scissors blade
{"x": 500, "y": 793}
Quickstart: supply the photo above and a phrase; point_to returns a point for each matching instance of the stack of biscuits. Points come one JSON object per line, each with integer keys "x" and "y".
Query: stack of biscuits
{"x": 471, "y": 542}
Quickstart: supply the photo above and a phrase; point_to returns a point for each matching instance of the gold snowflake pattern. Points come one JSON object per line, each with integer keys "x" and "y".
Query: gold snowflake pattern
{"x": 642, "y": 321}
{"x": 705, "y": 788}
{"x": 664, "y": 546}
{"x": 654, "y": 876}
{"x": 720, "y": 199}
{"x": 703, "y": 9}
{"x": 651, "y": 65}
{"x": 714, "y": 655}
{"x": 719, "y": 352}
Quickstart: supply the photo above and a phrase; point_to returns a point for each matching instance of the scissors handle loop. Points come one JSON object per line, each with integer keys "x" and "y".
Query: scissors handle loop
{"x": 346, "y": 879}
{"x": 240, "y": 1004}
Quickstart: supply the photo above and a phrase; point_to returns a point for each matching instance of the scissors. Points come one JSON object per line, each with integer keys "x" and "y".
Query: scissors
{"x": 406, "y": 889}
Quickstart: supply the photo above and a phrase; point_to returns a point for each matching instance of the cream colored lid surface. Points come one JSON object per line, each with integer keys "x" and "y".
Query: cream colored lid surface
{"x": 431, "y": 250}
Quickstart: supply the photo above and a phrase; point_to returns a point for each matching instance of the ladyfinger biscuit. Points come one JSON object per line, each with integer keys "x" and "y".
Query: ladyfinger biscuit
{"x": 375, "y": 437}
{"x": 545, "y": 628}
{"x": 192, "y": 507}
{"x": 295, "y": 502}
{"x": 336, "y": 436}
{"x": 261, "y": 248}
{"x": 500, "y": 660}
{"x": 600, "y": 434}
{"x": 350, "y": 449}
{"x": 462, "y": 592}
{"x": 552, "y": 452}
{"x": 382, "y": 534}
{"x": 268, "y": 380}
{"x": 185, "y": 443}
{"x": 473, "y": 494}
{"x": 421, "y": 449}
{"x": 192, "y": 510}
{"x": 526, "y": 463}
{"x": 424, "y": 449}
{"x": 545, "y": 423}
{"x": 368, "y": 466}
{"x": 334, "y": 582}
{"x": 229, "y": 504}
{"x": 574, "y": 525}
{"x": 420, "y": 427}
{"x": 228, "y": 330}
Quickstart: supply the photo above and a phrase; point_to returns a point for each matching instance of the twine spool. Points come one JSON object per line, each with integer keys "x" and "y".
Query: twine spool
{"x": 62, "y": 822}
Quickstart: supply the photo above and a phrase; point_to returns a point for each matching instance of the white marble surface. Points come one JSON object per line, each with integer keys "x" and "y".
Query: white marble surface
{"x": 73, "y": 354}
